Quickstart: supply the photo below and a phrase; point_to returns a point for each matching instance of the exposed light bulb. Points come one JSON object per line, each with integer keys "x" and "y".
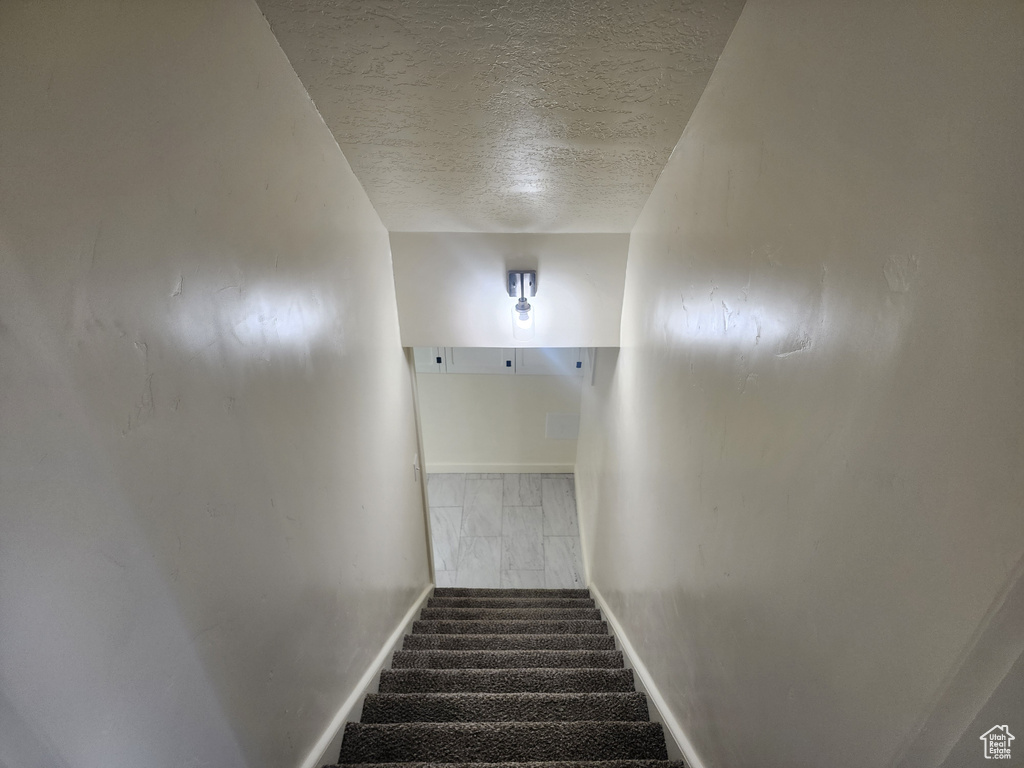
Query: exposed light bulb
{"x": 522, "y": 320}
{"x": 522, "y": 311}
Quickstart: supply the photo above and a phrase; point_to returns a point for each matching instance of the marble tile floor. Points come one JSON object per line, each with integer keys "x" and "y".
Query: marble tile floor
{"x": 505, "y": 530}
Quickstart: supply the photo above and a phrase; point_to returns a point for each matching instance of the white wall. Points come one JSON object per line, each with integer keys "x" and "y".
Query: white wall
{"x": 484, "y": 423}
{"x": 208, "y": 519}
{"x": 800, "y": 482}
{"x": 452, "y": 291}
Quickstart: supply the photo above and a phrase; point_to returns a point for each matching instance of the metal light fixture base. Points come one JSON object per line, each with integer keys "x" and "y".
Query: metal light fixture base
{"x": 522, "y": 284}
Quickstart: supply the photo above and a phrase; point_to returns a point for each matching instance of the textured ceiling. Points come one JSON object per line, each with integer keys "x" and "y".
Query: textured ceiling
{"x": 508, "y": 115}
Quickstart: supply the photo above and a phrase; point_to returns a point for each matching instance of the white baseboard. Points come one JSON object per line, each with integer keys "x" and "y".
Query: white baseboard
{"x": 584, "y": 556}
{"x": 676, "y": 740}
{"x": 328, "y": 746}
{"x": 551, "y": 469}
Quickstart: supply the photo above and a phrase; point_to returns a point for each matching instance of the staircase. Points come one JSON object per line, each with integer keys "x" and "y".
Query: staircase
{"x": 506, "y": 676}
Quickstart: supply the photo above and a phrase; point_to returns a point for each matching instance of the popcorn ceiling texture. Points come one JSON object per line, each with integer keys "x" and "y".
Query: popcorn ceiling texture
{"x": 509, "y": 116}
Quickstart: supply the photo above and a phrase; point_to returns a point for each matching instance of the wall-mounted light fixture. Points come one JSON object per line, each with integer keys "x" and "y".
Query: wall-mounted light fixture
{"x": 521, "y": 286}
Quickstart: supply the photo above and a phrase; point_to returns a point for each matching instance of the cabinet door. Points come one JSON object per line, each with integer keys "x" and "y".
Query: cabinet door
{"x": 429, "y": 359}
{"x": 551, "y": 361}
{"x": 480, "y": 360}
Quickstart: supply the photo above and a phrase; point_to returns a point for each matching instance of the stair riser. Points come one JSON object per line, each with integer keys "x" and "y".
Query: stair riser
{"x": 494, "y": 742}
{"x": 509, "y": 628}
{"x": 506, "y": 659}
{"x": 509, "y": 707}
{"x": 506, "y": 681}
{"x": 552, "y": 764}
{"x": 510, "y": 614}
{"x": 508, "y": 642}
{"x": 521, "y": 602}
{"x": 505, "y": 593}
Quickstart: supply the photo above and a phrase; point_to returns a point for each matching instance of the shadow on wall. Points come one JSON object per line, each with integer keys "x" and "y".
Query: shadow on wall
{"x": 986, "y": 688}
{"x": 20, "y": 745}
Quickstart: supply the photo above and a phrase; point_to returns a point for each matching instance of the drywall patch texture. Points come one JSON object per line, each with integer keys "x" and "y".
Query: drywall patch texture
{"x": 800, "y": 483}
{"x": 520, "y": 115}
{"x": 208, "y": 519}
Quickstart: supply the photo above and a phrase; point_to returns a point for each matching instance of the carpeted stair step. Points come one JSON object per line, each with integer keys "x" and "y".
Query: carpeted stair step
{"x": 510, "y": 602}
{"x": 480, "y": 592}
{"x": 505, "y": 659}
{"x": 502, "y": 707}
{"x": 509, "y": 627}
{"x": 546, "y": 764}
{"x": 498, "y": 678}
{"x": 501, "y": 742}
{"x": 506, "y": 681}
{"x": 508, "y": 642}
{"x": 510, "y": 614}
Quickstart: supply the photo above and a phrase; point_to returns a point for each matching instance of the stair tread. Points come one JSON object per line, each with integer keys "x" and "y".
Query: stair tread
{"x": 534, "y": 764}
{"x": 511, "y": 602}
{"x": 510, "y": 627}
{"x": 490, "y": 592}
{"x": 505, "y": 659}
{"x": 510, "y": 614}
{"x": 524, "y": 642}
{"x": 506, "y": 680}
{"x": 502, "y": 742}
{"x": 503, "y": 707}
{"x": 498, "y": 678}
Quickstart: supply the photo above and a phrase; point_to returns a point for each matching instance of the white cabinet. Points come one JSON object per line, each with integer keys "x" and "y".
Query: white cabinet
{"x": 480, "y": 360}
{"x": 429, "y": 359}
{"x": 547, "y": 361}
{"x": 552, "y": 361}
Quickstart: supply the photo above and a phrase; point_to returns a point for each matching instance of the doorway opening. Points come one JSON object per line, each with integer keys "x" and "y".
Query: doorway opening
{"x": 499, "y": 429}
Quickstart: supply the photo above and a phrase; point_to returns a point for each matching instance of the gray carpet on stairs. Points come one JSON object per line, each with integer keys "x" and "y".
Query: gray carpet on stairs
{"x": 512, "y": 742}
{"x": 539, "y": 764}
{"x": 506, "y": 680}
{"x": 523, "y": 678}
{"x": 510, "y": 602}
{"x": 509, "y": 627}
{"x": 509, "y": 614}
{"x": 502, "y": 707}
{"x": 507, "y": 593}
{"x": 504, "y": 659}
{"x": 536, "y": 642}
